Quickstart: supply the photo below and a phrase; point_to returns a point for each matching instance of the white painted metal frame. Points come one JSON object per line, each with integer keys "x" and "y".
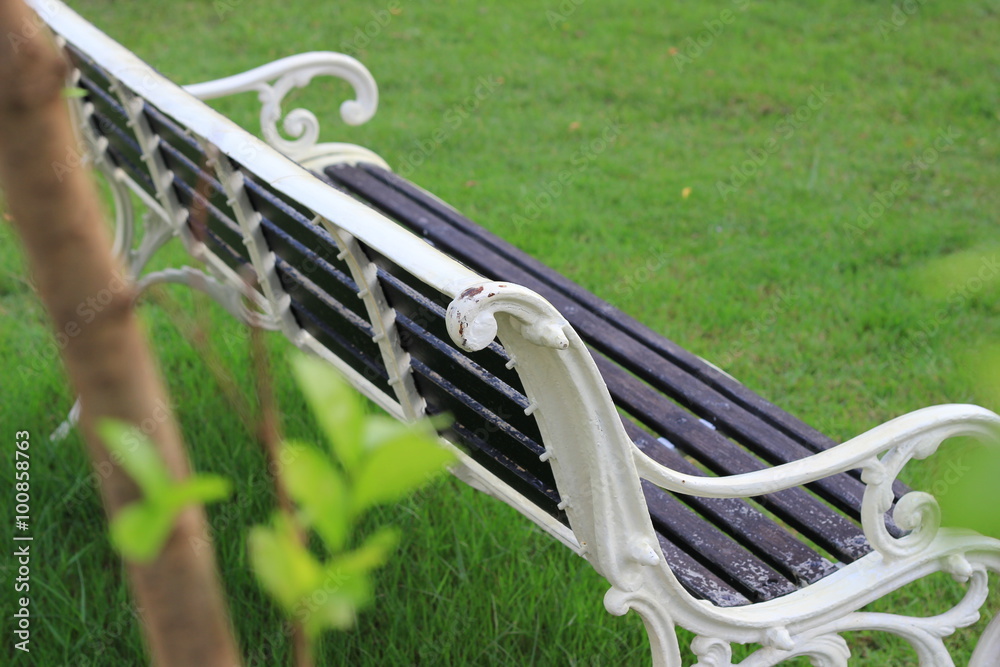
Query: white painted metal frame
{"x": 296, "y": 72}
{"x": 597, "y": 467}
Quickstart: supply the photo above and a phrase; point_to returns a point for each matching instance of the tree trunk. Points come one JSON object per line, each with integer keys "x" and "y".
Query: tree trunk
{"x": 59, "y": 219}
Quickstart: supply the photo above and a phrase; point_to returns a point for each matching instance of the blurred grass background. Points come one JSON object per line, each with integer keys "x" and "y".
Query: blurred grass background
{"x": 731, "y": 167}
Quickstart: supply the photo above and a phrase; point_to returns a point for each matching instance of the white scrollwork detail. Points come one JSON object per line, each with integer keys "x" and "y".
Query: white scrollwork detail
{"x": 826, "y": 650}
{"x": 924, "y": 634}
{"x": 296, "y": 72}
{"x": 226, "y": 295}
{"x": 916, "y": 512}
{"x": 472, "y": 317}
{"x": 712, "y": 652}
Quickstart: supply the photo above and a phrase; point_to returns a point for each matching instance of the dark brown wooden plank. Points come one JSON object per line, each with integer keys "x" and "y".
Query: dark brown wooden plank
{"x": 806, "y": 435}
{"x": 699, "y": 580}
{"x": 737, "y": 566}
{"x": 735, "y": 420}
{"x": 492, "y": 442}
{"x": 754, "y": 531}
{"x": 818, "y": 522}
{"x": 693, "y": 363}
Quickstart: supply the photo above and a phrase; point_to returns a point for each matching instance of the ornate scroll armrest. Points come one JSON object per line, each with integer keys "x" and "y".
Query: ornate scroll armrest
{"x": 916, "y": 435}
{"x": 275, "y": 80}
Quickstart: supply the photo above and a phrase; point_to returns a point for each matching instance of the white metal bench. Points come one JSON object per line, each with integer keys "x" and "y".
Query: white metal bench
{"x": 575, "y": 415}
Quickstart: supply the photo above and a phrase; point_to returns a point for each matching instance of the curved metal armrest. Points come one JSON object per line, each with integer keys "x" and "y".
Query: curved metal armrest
{"x": 275, "y": 80}
{"x": 597, "y": 466}
{"x": 914, "y": 435}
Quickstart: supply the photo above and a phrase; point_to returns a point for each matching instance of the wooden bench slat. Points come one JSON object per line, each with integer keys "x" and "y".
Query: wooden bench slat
{"x": 481, "y": 386}
{"x": 525, "y": 447}
{"x": 740, "y": 568}
{"x": 191, "y": 176}
{"x": 430, "y": 316}
{"x": 752, "y": 529}
{"x": 171, "y": 133}
{"x": 818, "y": 521}
{"x": 329, "y": 278}
{"x": 494, "y": 453}
{"x": 697, "y": 579}
{"x": 777, "y": 447}
{"x": 303, "y": 292}
{"x": 810, "y": 437}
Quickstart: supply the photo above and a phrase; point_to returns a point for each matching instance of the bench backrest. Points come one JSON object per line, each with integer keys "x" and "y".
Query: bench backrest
{"x": 245, "y": 210}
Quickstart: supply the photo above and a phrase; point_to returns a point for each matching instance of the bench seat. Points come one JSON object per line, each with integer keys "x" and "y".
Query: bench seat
{"x": 679, "y": 409}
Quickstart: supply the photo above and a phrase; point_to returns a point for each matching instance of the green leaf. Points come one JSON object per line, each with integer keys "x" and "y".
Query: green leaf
{"x": 347, "y": 583}
{"x": 372, "y": 554}
{"x": 198, "y": 489}
{"x": 316, "y": 485}
{"x": 74, "y": 92}
{"x": 398, "y": 466}
{"x": 379, "y": 430}
{"x": 338, "y": 408}
{"x": 332, "y": 609}
{"x": 139, "y": 530}
{"x": 137, "y": 455}
{"x": 284, "y": 567}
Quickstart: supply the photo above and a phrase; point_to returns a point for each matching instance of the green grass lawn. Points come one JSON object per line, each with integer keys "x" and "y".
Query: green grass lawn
{"x": 775, "y": 186}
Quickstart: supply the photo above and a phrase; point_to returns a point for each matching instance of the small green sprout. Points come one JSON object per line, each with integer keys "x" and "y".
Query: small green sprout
{"x": 369, "y": 460}
{"x": 139, "y": 530}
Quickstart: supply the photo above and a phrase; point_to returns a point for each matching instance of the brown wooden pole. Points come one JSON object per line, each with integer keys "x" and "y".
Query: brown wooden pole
{"x": 58, "y": 216}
